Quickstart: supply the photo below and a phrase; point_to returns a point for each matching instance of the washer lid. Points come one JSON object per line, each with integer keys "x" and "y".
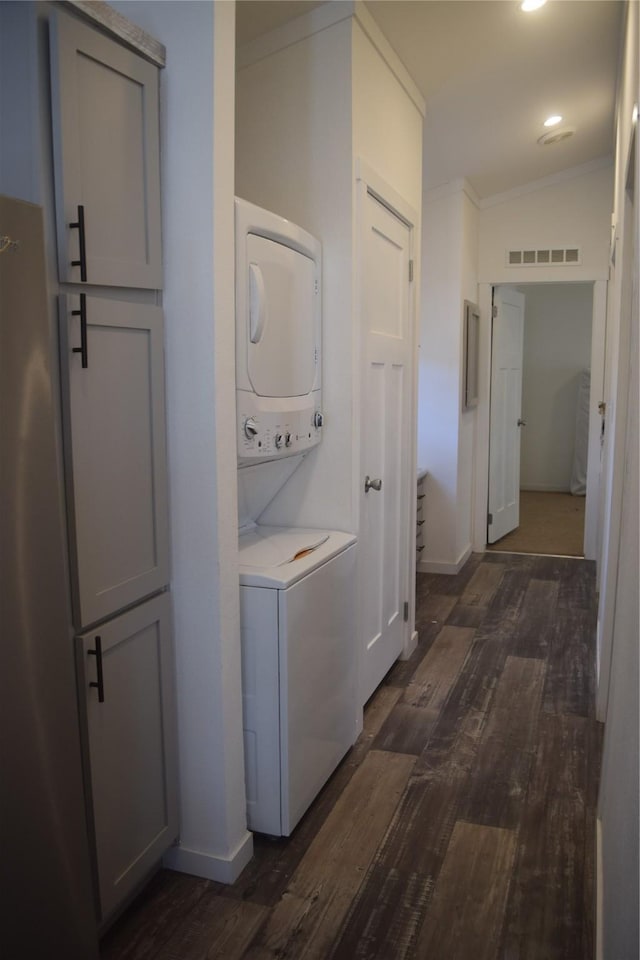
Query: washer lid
{"x": 279, "y": 556}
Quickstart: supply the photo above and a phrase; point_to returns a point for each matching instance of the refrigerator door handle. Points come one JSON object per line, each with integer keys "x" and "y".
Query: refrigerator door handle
{"x": 99, "y": 683}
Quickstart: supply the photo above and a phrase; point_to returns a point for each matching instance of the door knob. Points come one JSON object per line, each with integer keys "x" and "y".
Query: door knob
{"x": 522, "y": 423}
{"x": 370, "y": 484}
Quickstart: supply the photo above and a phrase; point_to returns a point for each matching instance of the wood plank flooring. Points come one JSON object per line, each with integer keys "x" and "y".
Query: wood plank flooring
{"x": 461, "y": 824}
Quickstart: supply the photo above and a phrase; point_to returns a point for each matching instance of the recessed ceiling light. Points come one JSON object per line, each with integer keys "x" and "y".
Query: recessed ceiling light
{"x": 529, "y": 5}
{"x": 553, "y": 121}
{"x": 634, "y": 115}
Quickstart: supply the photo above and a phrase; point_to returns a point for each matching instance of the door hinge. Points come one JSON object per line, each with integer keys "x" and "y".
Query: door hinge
{"x": 406, "y": 611}
{"x": 494, "y": 311}
{"x": 410, "y": 271}
{"x": 489, "y": 518}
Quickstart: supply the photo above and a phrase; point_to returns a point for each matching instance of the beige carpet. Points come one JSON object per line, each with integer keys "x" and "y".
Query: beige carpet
{"x": 550, "y": 523}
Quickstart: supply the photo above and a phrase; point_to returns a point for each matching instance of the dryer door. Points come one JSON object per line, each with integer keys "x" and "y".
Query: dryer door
{"x": 281, "y": 319}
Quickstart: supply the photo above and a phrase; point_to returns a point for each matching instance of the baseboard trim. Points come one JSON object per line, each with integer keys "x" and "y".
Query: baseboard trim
{"x": 410, "y": 647}
{"x": 443, "y": 566}
{"x": 199, "y": 864}
{"x": 598, "y": 882}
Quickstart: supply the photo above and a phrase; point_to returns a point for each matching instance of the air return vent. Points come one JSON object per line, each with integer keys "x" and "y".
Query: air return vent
{"x": 554, "y": 256}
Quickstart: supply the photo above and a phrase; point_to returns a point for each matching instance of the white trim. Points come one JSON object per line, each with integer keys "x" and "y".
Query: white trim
{"x": 410, "y": 647}
{"x": 460, "y": 185}
{"x": 445, "y": 566}
{"x": 481, "y": 495}
{"x": 318, "y": 19}
{"x": 225, "y": 869}
{"x": 375, "y": 35}
{"x": 388, "y": 197}
{"x": 571, "y": 173}
{"x": 594, "y": 452}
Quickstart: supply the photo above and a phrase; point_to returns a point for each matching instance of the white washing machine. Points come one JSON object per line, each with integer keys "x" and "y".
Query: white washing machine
{"x": 297, "y": 586}
{"x": 298, "y": 630}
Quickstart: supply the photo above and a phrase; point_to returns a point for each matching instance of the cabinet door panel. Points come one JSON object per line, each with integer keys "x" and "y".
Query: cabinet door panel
{"x": 115, "y": 454}
{"x": 130, "y": 741}
{"x": 106, "y": 146}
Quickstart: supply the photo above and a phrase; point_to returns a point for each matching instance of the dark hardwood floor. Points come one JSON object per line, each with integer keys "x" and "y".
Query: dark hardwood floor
{"x": 461, "y": 826}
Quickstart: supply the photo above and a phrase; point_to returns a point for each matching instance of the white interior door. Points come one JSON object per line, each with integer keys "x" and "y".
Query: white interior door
{"x": 384, "y": 552}
{"x": 506, "y": 412}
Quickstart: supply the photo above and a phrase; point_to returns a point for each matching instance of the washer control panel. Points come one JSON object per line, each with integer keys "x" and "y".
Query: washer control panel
{"x": 266, "y": 435}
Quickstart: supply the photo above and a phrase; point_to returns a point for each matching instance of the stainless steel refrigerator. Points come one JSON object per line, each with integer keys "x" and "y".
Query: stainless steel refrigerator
{"x": 46, "y": 887}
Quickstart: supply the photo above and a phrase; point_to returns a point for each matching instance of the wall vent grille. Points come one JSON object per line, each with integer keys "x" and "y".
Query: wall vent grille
{"x": 548, "y": 257}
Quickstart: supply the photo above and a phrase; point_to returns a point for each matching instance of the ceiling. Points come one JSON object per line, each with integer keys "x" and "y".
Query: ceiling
{"x": 491, "y": 75}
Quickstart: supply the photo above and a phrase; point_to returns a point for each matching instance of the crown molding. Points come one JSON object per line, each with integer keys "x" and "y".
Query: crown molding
{"x": 572, "y": 173}
{"x": 318, "y": 19}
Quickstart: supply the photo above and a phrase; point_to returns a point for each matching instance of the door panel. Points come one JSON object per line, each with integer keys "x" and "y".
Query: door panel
{"x": 506, "y": 412}
{"x": 105, "y": 158}
{"x": 114, "y": 420}
{"x": 386, "y": 442}
{"x": 130, "y": 737}
{"x": 281, "y": 338}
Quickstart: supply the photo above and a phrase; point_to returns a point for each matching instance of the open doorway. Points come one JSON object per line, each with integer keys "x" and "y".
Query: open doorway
{"x": 547, "y": 425}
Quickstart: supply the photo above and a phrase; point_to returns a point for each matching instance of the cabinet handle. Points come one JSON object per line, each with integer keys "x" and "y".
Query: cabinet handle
{"x": 82, "y": 313}
{"x": 99, "y": 683}
{"x": 79, "y": 226}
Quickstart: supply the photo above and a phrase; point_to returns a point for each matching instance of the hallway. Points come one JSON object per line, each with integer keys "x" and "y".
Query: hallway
{"x": 460, "y": 826}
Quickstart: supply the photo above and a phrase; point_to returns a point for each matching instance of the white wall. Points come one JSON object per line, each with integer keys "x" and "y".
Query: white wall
{"x": 573, "y": 212}
{"x": 197, "y": 194}
{"x": 387, "y": 125}
{"x": 294, "y": 156}
{"x": 619, "y": 802}
{"x": 304, "y": 115}
{"x": 446, "y": 434}
{"x": 557, "y": 348}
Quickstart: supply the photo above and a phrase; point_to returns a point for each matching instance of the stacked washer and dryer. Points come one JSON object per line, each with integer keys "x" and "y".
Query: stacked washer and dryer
{"x": 297, "y": 585}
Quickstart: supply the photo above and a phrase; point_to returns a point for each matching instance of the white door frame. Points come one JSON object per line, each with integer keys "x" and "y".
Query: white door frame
{"x": 598, "y": 329}
{"x": 368, "y": 181}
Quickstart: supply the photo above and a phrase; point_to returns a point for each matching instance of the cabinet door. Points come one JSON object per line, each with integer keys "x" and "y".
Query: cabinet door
{"x": 127, "y": 697}
{"x": 106, "y": 159}
{"x": 114, "y": 430}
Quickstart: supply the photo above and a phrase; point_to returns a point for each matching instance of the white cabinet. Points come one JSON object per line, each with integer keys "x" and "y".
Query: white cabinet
{"x": 114, "y": 431}
{"x": 125, "y": 670}
{"x": 106, "y": 159}
{"x": 106, "y": 173}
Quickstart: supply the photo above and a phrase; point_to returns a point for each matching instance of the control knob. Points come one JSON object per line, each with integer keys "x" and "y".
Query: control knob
{"x": 287, "y": 440}
{"x": 278, "y": 440}
{"x": 318, "y": 419}
{"x": 250, "y": 428}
